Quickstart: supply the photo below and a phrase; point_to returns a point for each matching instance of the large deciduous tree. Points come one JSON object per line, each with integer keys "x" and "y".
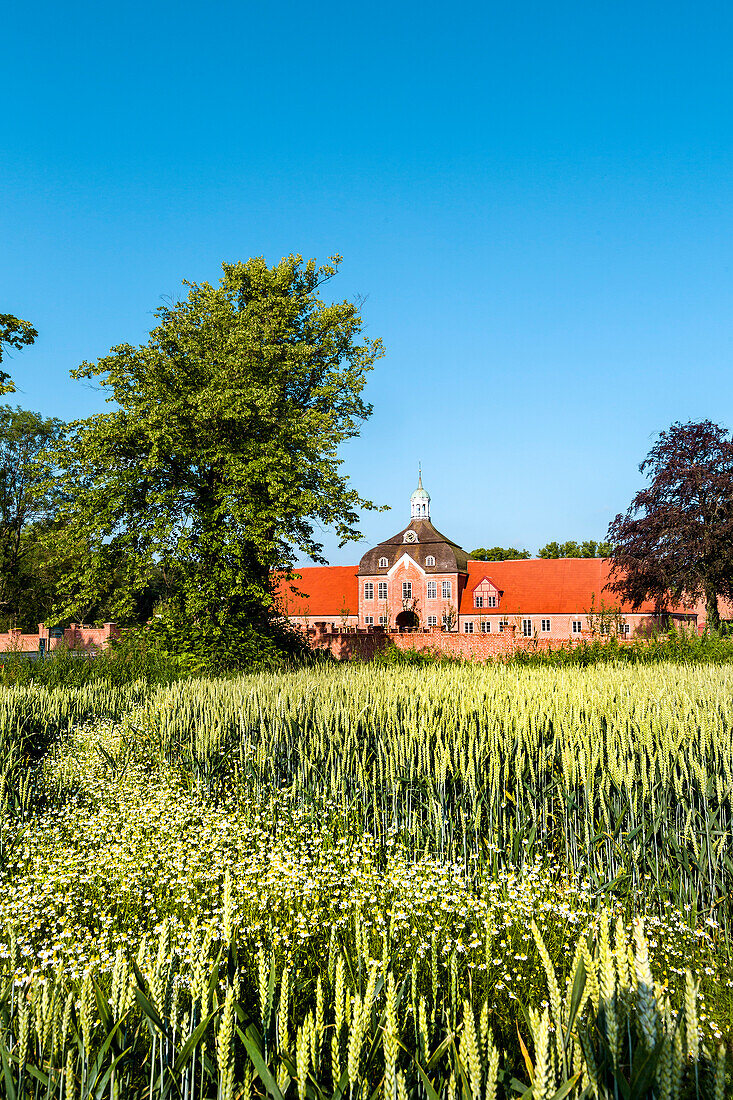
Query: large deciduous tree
{"x": 220, "y": 457}
{"x": 676, "y": 538}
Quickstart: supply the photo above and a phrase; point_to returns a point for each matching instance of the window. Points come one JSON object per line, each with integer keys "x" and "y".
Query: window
{"x": 485, "y": 626}
{"x": 545, "y": 626}
{"x": 383, "y": 563}
{"x": 430, "y": 560}
{"x": 527, "y": 628}
{"x": 446, "y": 590}
{"x": 382, "y": 590}
{"x": 577, "y": 626}
{"x": 502, "y": 624}
{"x": 604, "y": 629}
{"x": 368, "y": 590}
{"x": 382, "y": 620}
{"x": 624, "y": 628}
{"x": 432, "y": 620}
{"x": 407, "y": 590}
{"x": 491, "y": 601}
{"x": 468, "y": 627}
{"x": 369, "y": 620}
{"x": 478, "y": 601}
{"x": 432, "y": 590}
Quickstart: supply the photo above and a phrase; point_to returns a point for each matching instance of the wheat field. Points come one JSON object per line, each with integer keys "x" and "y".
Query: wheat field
{"x": 439, "y": 881}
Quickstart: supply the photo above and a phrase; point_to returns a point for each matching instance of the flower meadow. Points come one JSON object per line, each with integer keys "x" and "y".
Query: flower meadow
{"x": 437, "y": 881}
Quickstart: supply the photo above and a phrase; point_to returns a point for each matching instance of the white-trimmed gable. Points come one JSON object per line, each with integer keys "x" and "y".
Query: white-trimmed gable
{"x": 487, "y": 592}
{"x": 409, "y": 563}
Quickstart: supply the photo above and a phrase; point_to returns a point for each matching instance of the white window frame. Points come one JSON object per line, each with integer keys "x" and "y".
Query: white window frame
{"x": 383, "y": 563}
{"x": 407, "y": 590}
{"x": 624, "y": 628}
{"x": 432, "y": 590}
{"x": 447, "y": 590}
{"x": 486, "y": 626}
{"x": 577, "y": 626}
{"x": 382, "y": 620}
{"x": 491, "y": 601}
{"x": 430, "y": 560}
{"x": 368, "y": 620}
{"x": 468, "y": 626}
{"x": 478, "y": 601}
{"x": 546, "y": 626}
{"x": 382, "y": 590}
{"x": 432, "y": 620}
{"x": 368, "y": 590}
{"x": 526, "y": 628}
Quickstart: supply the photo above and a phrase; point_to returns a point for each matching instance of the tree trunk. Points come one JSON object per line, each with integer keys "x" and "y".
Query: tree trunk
{"x": 711, "y": 609}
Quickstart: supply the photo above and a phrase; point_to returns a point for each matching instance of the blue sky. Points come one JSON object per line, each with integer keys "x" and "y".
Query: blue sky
{"x": 534, "y": 199}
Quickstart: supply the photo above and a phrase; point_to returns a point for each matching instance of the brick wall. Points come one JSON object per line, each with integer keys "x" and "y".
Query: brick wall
{"x": 477, "y": 647}
{"x": 76, "y": 636}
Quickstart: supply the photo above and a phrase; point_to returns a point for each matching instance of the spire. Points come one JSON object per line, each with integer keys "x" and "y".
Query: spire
{"x": 420, "y": 499}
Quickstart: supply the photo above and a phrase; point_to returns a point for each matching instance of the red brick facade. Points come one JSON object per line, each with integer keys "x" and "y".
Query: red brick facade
{"x": 421, "y": 586}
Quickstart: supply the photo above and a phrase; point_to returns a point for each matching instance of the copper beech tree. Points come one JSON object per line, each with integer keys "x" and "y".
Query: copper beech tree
{"x": 676, "y": 538}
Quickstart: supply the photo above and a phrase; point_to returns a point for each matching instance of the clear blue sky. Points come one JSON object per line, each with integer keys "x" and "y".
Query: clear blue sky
{"x": 535, "y": 199}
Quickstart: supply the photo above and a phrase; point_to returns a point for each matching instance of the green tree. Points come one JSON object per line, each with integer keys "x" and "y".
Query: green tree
{"x": 220, "y": 457}
{"x": 14, "y": 333}
{"x": 572, "y": 549}
{"x": 28, "y": 502}
{"x": 499, "y": 553}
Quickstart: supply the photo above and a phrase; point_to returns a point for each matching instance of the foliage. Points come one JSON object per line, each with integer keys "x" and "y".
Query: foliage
{"x": 14, "y": 333}
{"x": 588, "y": 549}
{"x": 28, "y": 500}
{"x": 135, "y": 658}
{"x": 676, "y": 538}
{"x": 221, "y": 455}
{"x": 499, "y": 553}
{"x": 683, "y": 646}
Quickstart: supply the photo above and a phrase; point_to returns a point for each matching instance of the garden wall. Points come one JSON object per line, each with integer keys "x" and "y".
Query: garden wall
{"x": 86, "y": 638}
{"x": 345, "y": 645}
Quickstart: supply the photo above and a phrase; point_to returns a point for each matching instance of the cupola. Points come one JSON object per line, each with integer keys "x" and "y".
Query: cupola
{"x": 420, "y": 500}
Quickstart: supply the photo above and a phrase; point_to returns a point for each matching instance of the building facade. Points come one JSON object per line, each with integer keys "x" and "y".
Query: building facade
{"x": 419, "y": 580}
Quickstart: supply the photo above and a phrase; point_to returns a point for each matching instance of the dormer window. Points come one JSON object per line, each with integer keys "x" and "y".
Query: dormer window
{"x": 383, "y": 563}
{"x": 430, "y": 560}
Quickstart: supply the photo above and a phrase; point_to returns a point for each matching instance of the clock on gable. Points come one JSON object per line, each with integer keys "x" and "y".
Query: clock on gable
{"x": 410, "y": 536}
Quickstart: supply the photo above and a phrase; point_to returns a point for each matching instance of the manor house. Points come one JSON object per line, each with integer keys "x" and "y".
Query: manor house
{"x": 421, "y": 581}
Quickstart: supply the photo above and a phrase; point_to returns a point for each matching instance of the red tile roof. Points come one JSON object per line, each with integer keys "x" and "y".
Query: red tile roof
{"x": 552, "y": 585}
{"x": 321, "y": 590}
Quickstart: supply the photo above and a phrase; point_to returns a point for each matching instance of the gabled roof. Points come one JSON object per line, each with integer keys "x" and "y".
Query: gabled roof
{"x": 546, "y": 585}
{"x": 449, "y": 557}
{"x": 320, "y": 590}
{"x": 474, "y": 582}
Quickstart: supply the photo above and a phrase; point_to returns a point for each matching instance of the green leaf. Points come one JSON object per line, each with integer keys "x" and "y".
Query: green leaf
{"x": 251, "y": 1040}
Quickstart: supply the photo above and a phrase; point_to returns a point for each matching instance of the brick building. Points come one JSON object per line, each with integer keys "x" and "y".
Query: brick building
{"x": 421, "y": 581}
